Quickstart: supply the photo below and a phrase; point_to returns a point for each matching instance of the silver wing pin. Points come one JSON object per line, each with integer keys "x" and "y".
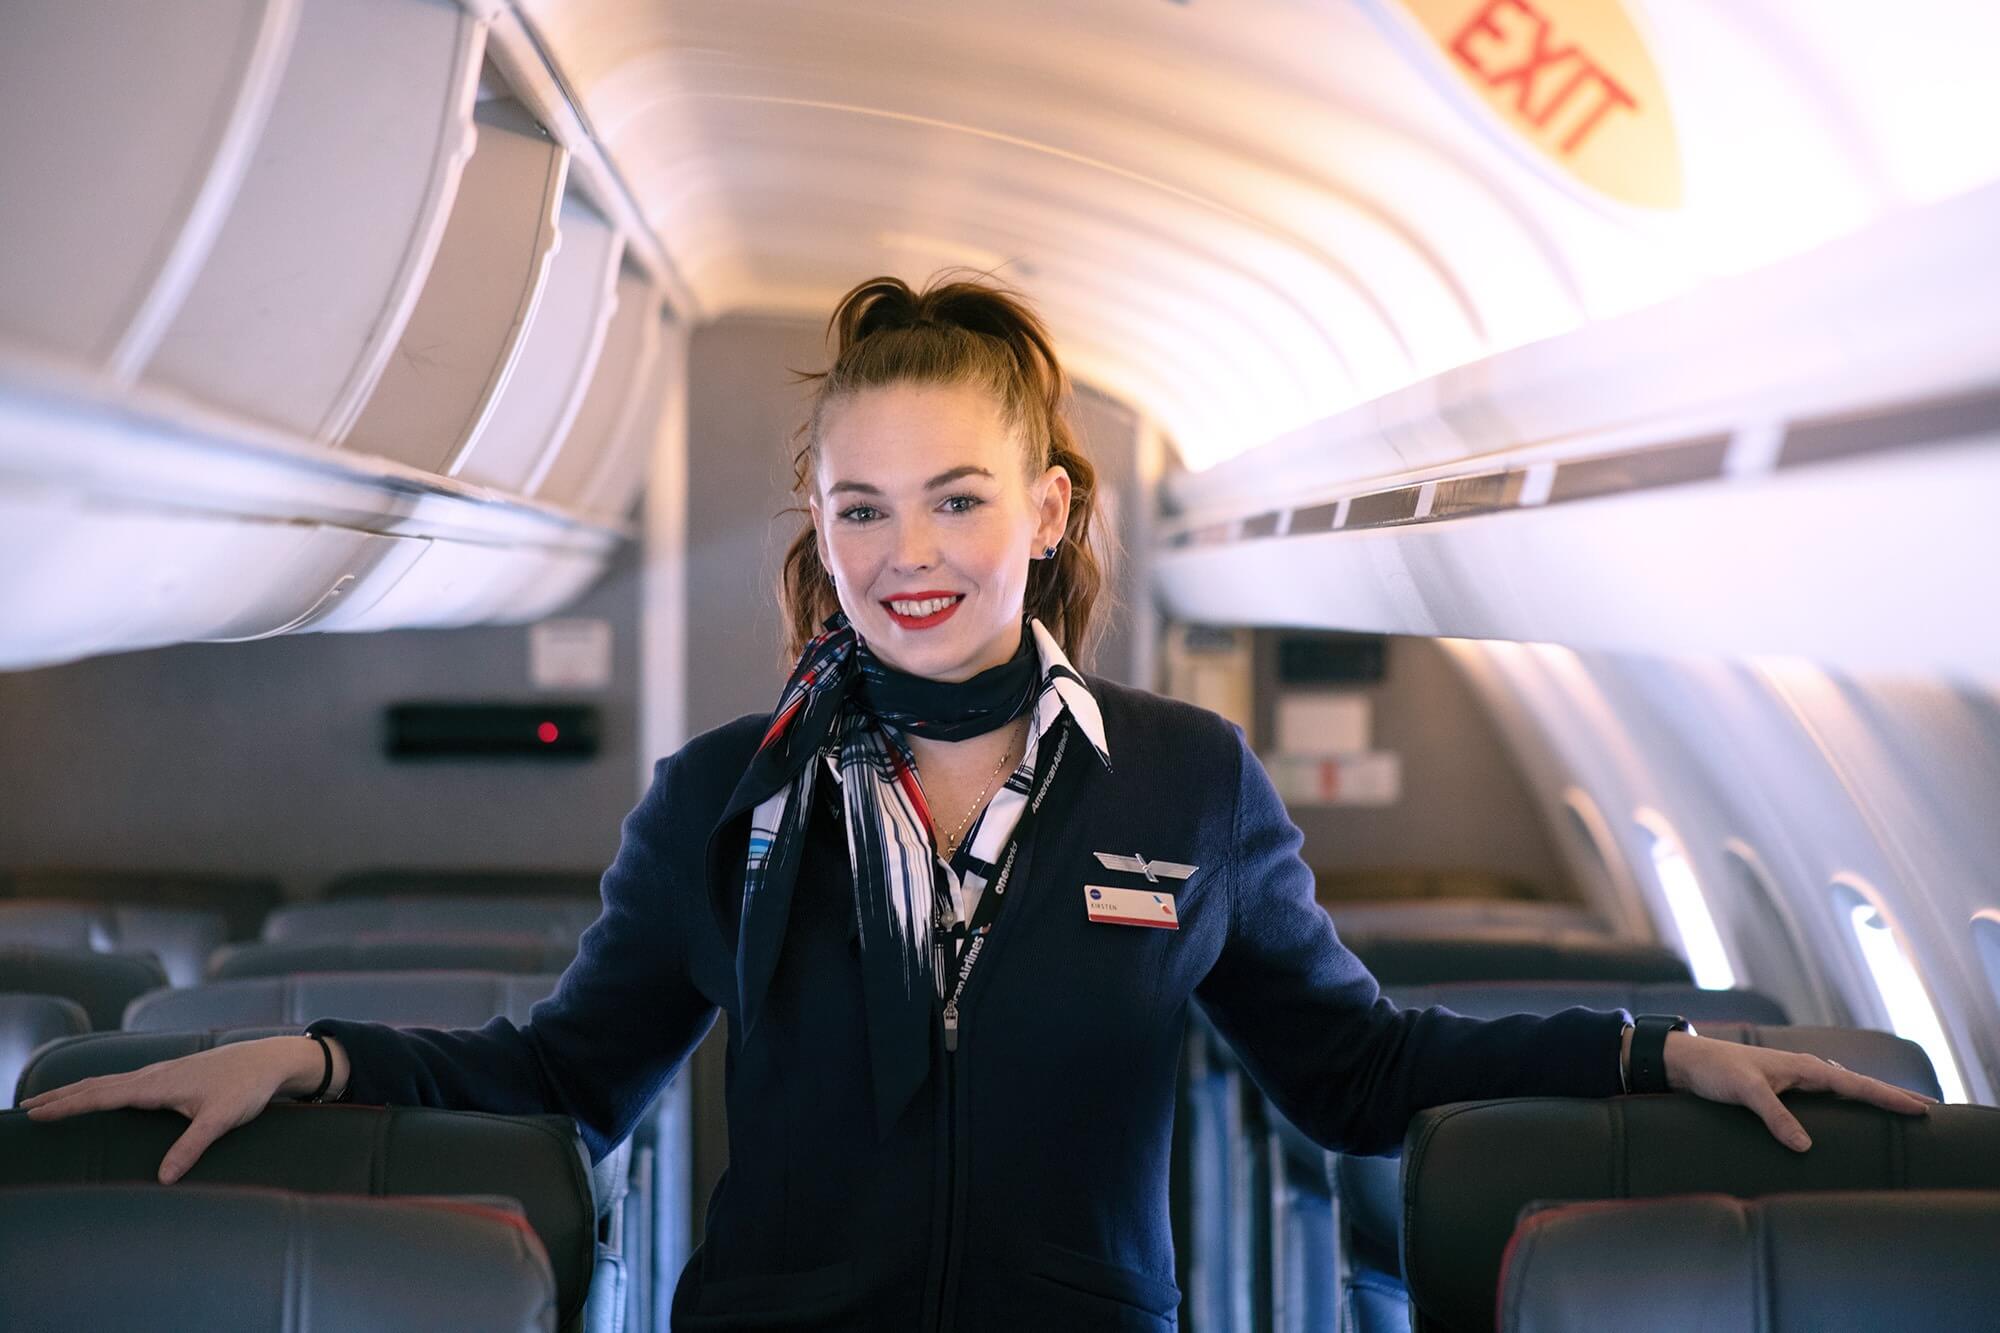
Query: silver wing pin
{"x": 1139, "y": 865}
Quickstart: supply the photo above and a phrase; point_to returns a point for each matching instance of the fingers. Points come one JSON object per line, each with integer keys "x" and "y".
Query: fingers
{"x": 1784, "y": 1126}
{"x": 105, "y": 1093}
{"x": 1826, "y": 1076}
{"x": 188, "y": 1148}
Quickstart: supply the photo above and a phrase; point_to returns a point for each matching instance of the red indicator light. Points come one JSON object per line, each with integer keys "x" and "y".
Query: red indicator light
{"x": 547, "y": 733}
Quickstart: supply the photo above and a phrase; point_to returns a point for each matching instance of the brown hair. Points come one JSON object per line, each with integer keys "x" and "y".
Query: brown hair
{"x": 960, "y": 332}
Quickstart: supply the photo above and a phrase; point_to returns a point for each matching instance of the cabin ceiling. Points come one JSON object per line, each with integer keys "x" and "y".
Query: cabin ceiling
{"x": 1245, "y": 217}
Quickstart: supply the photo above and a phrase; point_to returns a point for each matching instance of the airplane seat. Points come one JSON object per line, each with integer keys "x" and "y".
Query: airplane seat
{"x": 1461, "y": 916}
{"x": 243, "y": 900}
{"x": 27, "y": 1022}
{"x": 1412, "y": 958}
{"x": 1367, "y": 1191}
{"x": 181, "y": 938}
{"x": 394, "y": 953}
{"x": 294, "y": 1260}
{"x": 397, "y": 882}
{"x": 1470, "y": 1168}
{"x": 539, "y": 1161}
{"x": 102, "y": 983}
{"x": 1423, "y": 886}
{"x": 556, "y": 918}
{"x": 1789, "y": 1263}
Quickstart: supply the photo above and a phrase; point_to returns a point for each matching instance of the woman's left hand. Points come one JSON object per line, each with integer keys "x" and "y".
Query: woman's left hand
{"x": 1752, "y": 1076}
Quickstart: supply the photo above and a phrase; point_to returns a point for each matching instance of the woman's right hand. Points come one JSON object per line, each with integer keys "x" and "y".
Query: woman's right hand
{"x": 216, "y": 1089}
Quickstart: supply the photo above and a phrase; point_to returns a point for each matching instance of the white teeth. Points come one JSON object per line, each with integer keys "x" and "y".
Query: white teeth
{"x": 921, "y": 609}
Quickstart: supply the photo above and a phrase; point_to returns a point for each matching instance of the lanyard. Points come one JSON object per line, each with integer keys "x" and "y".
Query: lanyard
{"x": 1047, "y": 767}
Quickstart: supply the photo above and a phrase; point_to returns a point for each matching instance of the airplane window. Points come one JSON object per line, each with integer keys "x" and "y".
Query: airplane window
{"x": 1887, "y": 962}
{"x": 1986, "y": 938}
{"x": 1692, "y": 919}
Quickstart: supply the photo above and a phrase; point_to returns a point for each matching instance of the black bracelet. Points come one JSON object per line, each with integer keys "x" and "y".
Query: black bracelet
{"x": 325, "y": 1079}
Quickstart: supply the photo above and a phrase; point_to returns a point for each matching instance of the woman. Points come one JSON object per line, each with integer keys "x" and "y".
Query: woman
{"x": 951, "y": 1054}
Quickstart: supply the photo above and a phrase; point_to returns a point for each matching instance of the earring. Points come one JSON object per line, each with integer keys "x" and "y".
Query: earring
{"x": 1048, "y": 551}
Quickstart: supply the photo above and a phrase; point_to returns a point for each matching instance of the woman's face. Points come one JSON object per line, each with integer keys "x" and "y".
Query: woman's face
{"x": 927, "y": 522}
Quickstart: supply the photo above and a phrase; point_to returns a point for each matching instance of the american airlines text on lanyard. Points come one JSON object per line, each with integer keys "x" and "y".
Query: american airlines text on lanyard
{"x": 1046, "y": 770}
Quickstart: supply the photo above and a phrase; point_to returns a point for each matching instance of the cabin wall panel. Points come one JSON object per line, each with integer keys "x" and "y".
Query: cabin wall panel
{"x": 267, "y": 757}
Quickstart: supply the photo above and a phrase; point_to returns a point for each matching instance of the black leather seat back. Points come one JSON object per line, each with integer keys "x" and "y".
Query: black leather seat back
{"x": 98, "y": 1053}
{"x": 27, "y": 1021}
{"x": 1470, "y": 1168}
{"x": 563, "y": 919}
{"x": 362, "y": 1150}
{"x": 394, "y": 953}
{"x": 428, "y": 999}
{"x": 1788, "y": 1263}
{"x": 248, "y": 1261}
{"x": 102, "y": 983}
{"x": 242, "y": 899}
{"x": 181, "y": 938}
{"x": 1510, "y": 954}
{"x": 1496, "y": 999}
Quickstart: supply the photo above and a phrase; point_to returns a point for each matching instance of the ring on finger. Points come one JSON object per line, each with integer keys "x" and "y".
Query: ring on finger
{"x": 1835, "y": 1063}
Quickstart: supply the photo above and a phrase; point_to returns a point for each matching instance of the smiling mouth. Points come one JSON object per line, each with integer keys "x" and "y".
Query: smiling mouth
{"x": 923, "y": 612}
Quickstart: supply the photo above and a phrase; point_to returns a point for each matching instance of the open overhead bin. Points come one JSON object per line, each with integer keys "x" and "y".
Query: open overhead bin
{"x": 317, "y": 265}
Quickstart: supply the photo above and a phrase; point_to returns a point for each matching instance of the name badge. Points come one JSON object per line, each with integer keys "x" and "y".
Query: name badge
{"x": 1130, "y": 907}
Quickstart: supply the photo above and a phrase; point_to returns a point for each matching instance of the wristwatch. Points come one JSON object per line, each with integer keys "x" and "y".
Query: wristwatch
{"x": 1647, "y": 1066}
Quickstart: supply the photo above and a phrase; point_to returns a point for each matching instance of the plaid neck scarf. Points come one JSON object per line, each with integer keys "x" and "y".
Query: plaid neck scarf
{"x": 844, "y": 702}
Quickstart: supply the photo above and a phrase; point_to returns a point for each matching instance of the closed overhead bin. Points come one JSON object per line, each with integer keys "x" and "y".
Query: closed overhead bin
{"x": 623, "y": 391}
{"x": 465, "y": 334}
{"x": 130, "y": 124}
{"x": 562, "y": 346}
{"x": 318, "y": 264}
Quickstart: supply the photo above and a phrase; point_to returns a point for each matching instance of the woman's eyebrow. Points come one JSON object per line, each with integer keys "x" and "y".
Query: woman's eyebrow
{"x": 941, "y": 479}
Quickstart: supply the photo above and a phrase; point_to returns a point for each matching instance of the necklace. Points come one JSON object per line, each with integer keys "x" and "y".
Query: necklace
{"x": 951, "y": 842}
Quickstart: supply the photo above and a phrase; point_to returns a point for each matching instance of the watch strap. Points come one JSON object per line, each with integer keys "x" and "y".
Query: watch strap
{"x": 1648, "y": 1061}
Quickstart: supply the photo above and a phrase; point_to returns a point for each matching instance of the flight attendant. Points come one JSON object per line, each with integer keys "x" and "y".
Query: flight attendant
{"x": 955, "y": 898}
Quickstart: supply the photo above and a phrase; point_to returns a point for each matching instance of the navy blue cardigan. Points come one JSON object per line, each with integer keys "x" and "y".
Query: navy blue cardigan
{"x": 1027, "y": 1188}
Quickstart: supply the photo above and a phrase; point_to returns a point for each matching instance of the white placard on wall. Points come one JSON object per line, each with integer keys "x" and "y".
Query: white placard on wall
{"x": 570, "y": 654}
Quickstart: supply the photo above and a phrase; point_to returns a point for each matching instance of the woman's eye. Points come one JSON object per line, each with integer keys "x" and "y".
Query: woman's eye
{"x": 859, "y": 513}
{"x": 963, "y": 504}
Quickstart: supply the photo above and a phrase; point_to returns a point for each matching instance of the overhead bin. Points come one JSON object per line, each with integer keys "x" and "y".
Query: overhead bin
{"x": 465, "y": 335}
{"x": 561, "y": 350}
{"x": 617, "y": 401}
{"x": 130, "y": 126}
{"x": 621, "y": 474}
{"x": 315, "y": 269}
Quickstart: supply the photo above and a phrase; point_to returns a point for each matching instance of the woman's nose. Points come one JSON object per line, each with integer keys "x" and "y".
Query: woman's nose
{"x": 916, "y": 545}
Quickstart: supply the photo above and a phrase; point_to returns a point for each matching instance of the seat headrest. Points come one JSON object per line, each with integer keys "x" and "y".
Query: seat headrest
{"x": 29, "y": 1021}
{"x": 242, "y": 899}
{"x": 1469, "y": 1169}
{"x": 342, "y": 1149}
{"x": 103, "y": 983}
{"x": 1511, "y": 955}
{"x": 1789, "y": 1263}
{"x": 273, "y": 1260}
{"x": 180, "y": 937}
{"x": 1496, "y": 999}
{"x": 427, "y": 999}
{"x": 1882, "y": 1055}
{"x": 564, "y": 918}
{"x": 394, "y": 953}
